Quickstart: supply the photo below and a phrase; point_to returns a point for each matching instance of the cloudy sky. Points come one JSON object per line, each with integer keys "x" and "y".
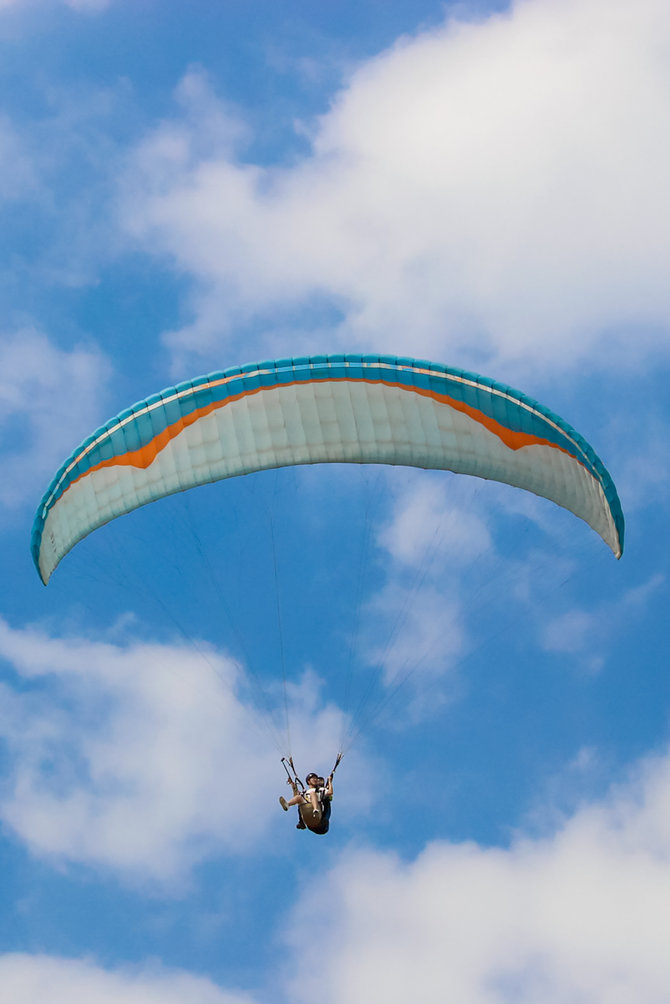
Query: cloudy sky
{"x": 190, "y": 186}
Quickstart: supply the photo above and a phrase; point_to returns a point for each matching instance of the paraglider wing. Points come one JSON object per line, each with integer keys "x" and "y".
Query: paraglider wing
{"x": 321, "y": 409}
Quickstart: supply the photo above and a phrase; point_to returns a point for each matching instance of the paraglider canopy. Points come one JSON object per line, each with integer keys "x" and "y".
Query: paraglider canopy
{"x": 321, "y": 409}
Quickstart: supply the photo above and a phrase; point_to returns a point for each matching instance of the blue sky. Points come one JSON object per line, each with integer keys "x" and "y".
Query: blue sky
{"x": 186, "y": 187}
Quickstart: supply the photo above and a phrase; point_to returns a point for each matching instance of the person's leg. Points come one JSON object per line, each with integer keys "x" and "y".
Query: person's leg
{"x": 296, "y": 800}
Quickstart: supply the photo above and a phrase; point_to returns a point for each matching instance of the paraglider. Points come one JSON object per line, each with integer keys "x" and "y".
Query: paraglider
{"x": 362, "y": 409}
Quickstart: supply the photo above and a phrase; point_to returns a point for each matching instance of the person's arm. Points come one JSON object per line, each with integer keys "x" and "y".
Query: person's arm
{"x": 329, "y": 786}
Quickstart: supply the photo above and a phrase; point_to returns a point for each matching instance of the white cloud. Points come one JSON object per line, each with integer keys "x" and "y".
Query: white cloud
{"x": 50, "y": 398}
{"x": 498, "y": 183}
{"x": 581, "y": 916}
{"x": 34, "y": 979}
{"x": 144, "y": 758}
{"x": 440, "y": 567}
{"x": 430, "y": 538}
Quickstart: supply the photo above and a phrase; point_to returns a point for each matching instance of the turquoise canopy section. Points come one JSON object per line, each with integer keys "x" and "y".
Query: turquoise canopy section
{"x": 321, "y": 409}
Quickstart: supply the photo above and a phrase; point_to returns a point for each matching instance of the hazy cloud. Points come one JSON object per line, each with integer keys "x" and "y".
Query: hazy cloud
{"x": 18, "y": 178}
{"x": 590, "y": 631}
{"x": 79, "y": 5}
{"x": 50, "y": 398}
{"x": 438, "y": 520}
